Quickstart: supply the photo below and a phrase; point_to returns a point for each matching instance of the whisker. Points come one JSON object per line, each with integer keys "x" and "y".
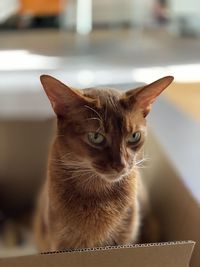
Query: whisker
{"x": 106, "y": 110}
{"x": 74, "y": 165}
{"x": 73, "y": 177}
{"x": 74, "y": 168}
{"x": 97, "y": 113}
{"x": 92, "y": 119}
{"x": 139, "y": 163}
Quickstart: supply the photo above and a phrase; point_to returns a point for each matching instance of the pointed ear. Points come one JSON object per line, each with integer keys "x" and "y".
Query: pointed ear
{"x": 61, "y": 96}
{"x": 143, "y": 97}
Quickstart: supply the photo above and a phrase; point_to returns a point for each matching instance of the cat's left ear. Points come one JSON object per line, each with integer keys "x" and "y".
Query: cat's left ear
{"x": 143, "y": 97}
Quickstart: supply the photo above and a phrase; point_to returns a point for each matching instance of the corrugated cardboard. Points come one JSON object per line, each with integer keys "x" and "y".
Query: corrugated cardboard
{"x": 163, "y": 255}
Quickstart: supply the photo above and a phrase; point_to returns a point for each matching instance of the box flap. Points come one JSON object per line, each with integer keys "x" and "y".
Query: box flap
{"x": 173, "y": 254}
{"x": 173, "y": 204}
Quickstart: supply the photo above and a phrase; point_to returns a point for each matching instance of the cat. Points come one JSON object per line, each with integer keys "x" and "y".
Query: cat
{"x": 92, "y": 195}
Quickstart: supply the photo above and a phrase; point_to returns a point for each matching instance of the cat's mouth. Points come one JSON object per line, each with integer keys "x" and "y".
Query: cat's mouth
{"x": 113, "y": 177}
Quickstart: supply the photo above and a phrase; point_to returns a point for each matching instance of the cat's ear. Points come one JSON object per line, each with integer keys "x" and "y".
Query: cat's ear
{"x": 62, "y": 96}
{"x": 143, "y": 97}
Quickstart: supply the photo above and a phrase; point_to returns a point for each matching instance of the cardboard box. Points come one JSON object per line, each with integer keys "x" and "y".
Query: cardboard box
{"x": 165, "y": 255}
{"x": 24, "y": 143}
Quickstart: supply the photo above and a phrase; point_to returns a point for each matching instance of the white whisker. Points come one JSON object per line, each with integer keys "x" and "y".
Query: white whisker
{"x": 97, "y": 113}
{"x": 139, "y": 163}
{"x": 93, "y": 119}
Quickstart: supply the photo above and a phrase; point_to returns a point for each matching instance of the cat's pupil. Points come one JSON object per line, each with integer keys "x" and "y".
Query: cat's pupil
{"x": 134, "y": 137}
{"x": 95, "y": 138}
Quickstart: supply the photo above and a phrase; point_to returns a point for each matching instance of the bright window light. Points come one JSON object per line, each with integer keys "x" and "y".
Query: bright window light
{"x": 182, "y": 73}
{"x": 24, "y": 60}
{"x": 84, "y": 16}
{"x": 85, "y": 77}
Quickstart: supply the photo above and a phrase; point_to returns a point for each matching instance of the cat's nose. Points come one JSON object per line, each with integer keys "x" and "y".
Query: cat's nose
{"x": 118, "y": 166}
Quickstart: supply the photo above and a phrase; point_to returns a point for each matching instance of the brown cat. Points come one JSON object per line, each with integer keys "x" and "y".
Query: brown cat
{"x": 91, "y": 197}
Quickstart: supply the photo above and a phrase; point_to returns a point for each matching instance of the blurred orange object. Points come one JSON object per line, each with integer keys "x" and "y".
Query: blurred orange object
{"x": 40, "y": 7}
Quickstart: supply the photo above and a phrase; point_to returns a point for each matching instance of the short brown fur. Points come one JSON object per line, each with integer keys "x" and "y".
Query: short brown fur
{"x": 91, "y": 194}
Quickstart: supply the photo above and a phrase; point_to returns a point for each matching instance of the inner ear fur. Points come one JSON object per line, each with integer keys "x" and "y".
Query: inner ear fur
{"x": 62, "y": 96}
{"x": 143, "y": 97}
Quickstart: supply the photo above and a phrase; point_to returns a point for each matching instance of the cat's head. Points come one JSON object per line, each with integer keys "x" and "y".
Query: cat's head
{"x": 102, "y": 130}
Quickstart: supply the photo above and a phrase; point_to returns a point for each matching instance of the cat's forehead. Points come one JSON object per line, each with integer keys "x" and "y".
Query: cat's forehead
{"x": 114, "y": 116}
{"x": 103, "y": 94}
{"x": 108, "y": 101}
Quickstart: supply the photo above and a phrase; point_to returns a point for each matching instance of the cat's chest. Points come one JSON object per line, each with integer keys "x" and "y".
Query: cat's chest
{"x": 77, "y": 208}
{"x": 95, "y": 220}
{"x": 91, "y": 219}
{"x": 98, "y": 212}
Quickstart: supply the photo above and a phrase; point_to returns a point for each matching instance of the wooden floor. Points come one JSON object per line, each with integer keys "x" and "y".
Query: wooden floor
{"x": 185, "y": 96}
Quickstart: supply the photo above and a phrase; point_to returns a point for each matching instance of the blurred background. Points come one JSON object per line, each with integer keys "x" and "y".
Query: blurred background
{"x": 121, "y": 43}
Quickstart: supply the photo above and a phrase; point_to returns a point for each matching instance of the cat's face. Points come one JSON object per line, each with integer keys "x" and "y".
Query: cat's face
{"x": 106, "y": 138}
{"x": 101, "y": 130}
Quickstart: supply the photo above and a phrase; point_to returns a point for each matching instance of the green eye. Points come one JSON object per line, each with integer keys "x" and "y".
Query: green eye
{"x": 134, "y": 138}
{"x": 96, "y": 138}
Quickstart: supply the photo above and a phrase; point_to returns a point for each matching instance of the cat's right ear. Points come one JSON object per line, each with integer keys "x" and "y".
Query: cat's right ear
{"x": 143, "y": 97}
{"x": 61, "y": 96}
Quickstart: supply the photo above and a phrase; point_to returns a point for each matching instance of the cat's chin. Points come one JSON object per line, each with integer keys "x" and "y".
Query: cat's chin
{"x": 112, "y": 178}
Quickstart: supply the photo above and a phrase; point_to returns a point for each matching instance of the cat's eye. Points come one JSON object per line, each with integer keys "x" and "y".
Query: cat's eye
{"x": 134, "y": 138}
{"x": 96, "y": 138}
